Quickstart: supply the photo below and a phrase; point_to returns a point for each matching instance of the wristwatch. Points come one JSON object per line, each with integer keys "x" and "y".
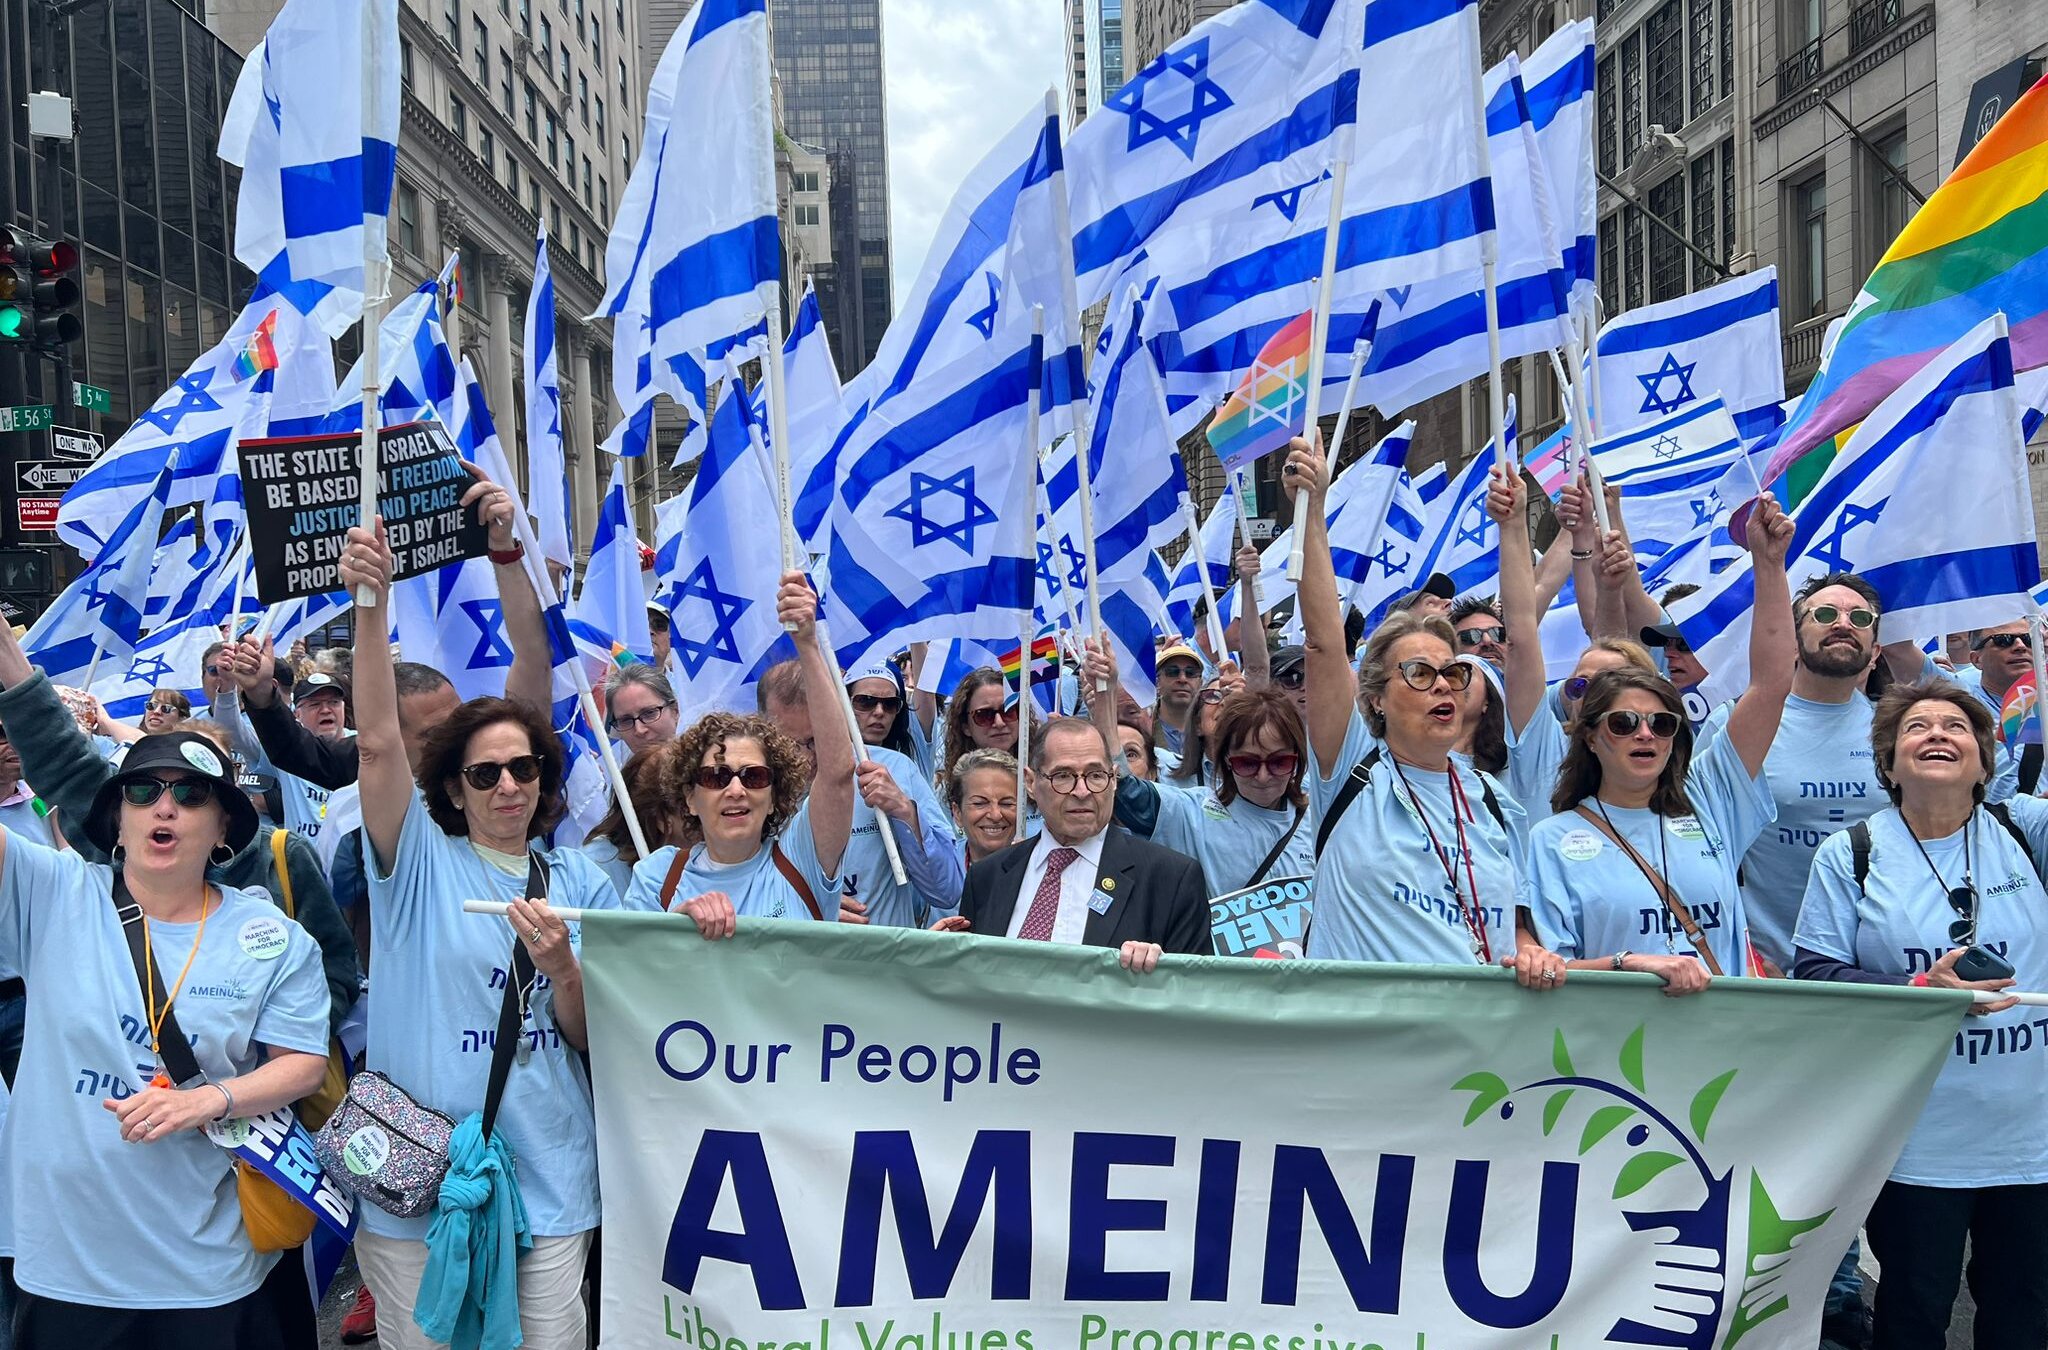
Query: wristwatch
{"x": 1620, "y": 957}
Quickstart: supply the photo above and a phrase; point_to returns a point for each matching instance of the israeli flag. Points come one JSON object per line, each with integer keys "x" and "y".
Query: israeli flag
{"x": 1207, "y": 569}
{"x": 170, "y": 656}
{"x": 174, "y": 572}
{"x": 313, "y": 123}
{"x": 197, "y": 422}
{"x": 1960, "y": 554}
{"x": 546, "y": 471}
{"x": 816, "y": 412}
{"x": 1559, "y": 79}
{"x": 695, "y": 250}
{"x": 1723, "y": 340}
{"x": 1377, "y": 525}
{"x": 611, "y": 605}
{"x": 718, "y": 563}
{"x": 1464, "y": 542}
{"x": 1671, "y": 474}
{"x": 100, "y": 613}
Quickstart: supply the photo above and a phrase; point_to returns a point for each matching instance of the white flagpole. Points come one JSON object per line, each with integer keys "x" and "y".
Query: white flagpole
{"x": 92, "y": 666}
{"x": 1359, "y": 353}
{"x": 1215, "y": 620}
{"x": 376, "y": 289}
{"x": 1489, "y": 262}
{"x": 1319, "y": 337}
{"x": 860, "y": 750}
{"x": 778, "y": 437}
{"x": 1585, "y": 408}
{"x": 2037, "y": 628}
{"x": 1028, "y": 629}
{"x": 1244, "y": 537}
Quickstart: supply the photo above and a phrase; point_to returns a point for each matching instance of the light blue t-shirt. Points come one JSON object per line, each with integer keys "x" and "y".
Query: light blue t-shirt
{"x": 1534, "y": 759}
{"x": 1982, "y": 1125}
{"x": 440, "y": 981}
{"x": 605, "y": 854}
{"x": 1589, "y": 899}
{"x": 135, "y": 1225}
{"x": 757, "y": 888}
{"x": 932, "y": 876}
{"x": 1231, "y": 841}
{"x": 24, "y": 821}
{"x": 1381, "y": 889}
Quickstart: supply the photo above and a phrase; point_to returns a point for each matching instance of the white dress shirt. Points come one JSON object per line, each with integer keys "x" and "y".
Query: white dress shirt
{"x": 1077, "y": 884}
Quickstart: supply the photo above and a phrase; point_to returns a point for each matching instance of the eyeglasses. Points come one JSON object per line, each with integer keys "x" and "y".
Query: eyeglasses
{"x": 1677, "y": 646}
{"x": 988, "y": 717}
{"x": 646, "y": 717}
{"x": 1212, "y": 696}
{"x": 1292, "y": 678}
{"x": 718, "y": 777}
{"x": 978, "y": 804}
{"x": 1575, "y": 687}
{"x": 868, "y": 703}
{"x": 1479, "y": 637}
{"x": 1179, "y": 670}
{"x": 2004, "y": 642}
{"x": 1281, "y": 765}
{"x": 185, "y": 791}
{"x": 165, "y": 708}
{"x": 484, "y": 776}
{"x": 1421, "y": 675}
{"x": 1622, "y": 722}
{"x": 1066, "y": 780}
{"x": 1859, "y": 617}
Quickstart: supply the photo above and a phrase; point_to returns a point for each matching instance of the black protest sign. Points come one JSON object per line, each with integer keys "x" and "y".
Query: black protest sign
{"x": 303, "y": 494}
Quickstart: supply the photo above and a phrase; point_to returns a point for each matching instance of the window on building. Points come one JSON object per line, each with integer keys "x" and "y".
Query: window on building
{"x": 451, "y": 23}
{"x": 405, "y": 63}
{"x": 1631, "y": 98}
{"x": 1807, "y": 233}
{"x": 458, "y": 120}
{"x": 599, "y": 105}
{"x": 1890, "y": 207}
{"x": 564, "y": 50}
{"x": 1610, "y": 262}
{"x": 512, "y": 173}
{"x": 805, "y": 214}
{"x": 619, "y": 15}
{"x": 408, "y": 215}
{"x": 533, "y": 195}
{"x": 597, "y": 46}
{"x": 604, "y": 198}
{"x": 625, "y": 99}
{"x": 1700, "y": 53}
{"x": 1728, "y": 248}
{"x": 583, "y": 97}
{"x": 505, "y": 80}
{"x": 553, "y": 143}
{"x": 576, "y": 241}
{"x": 804, "y": 180}
{"x": 1727, "y": 27}
{"x": 480, "y": 43}
{"x": 569, "y": 155}
{"x": 586, "y": 182}
{"x": 1706, "y": 212}
{"x": 1664, "y": 48}
{"x": 547, "y": 40}
{"x": 626, "y": 149}
{"x": 526, "y": 17}
{"x": 505, "y": 8}
{"x": 1632, "y": 269}
{"x": 1609, "y": 116}
{"x": 487, "y": 149}
{"x": 1667, "y": 254}
{"x": 532, "y": 115}
{"x": 555, "y": 220}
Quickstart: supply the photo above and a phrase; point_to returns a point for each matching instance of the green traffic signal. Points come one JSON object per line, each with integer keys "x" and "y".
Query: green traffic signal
{"x": 14, "y": 323}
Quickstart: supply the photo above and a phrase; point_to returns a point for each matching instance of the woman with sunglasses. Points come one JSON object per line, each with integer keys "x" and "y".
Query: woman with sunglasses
{"x": 640, "y": 707}
{"x": 1637, "y": 869}
{"x": 1943, "y": 883}
{"x": 881, "y": 705}
{"x": 167, "y": 707}
{"x": 1418, "y": 865}
{"x": 983, "y": 795}
{"x": 487, "y": 791}
{"x": 980, "y": 716}
{"x": 753, "y": 844}
{"x": 126, "y": 1227}
{"x": 1250, "y": 825}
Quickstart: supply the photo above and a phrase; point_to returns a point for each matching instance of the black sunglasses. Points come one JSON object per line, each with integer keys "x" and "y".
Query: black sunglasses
{"x": 1291, "y": 679}
{"x": 2004, "y": 641}
{"x": 185, "y": 791}
{"x": 887, "y": 703}
{"x": 483, "y": 777}
{"x": 1622, "y": 722}
{"x": 1575, "y": 687}
{"x": 1475, "y": 637}
{"x": 1421, "y": 675}
{"x": 1963, "y": 900}
{"x": 718, "y": 777}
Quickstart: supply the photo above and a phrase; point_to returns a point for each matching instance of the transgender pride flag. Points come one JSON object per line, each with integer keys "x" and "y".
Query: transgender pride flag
{"x": 1270, "y": 407}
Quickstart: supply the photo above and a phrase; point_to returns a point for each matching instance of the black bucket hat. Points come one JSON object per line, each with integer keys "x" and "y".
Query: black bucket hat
{"x": 172, "y": 750}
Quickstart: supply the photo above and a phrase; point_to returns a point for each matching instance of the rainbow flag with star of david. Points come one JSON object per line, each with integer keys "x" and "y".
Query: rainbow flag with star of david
{"x": 260, "y": 352}
{"x": 2019, "y": 719}
{"x": 1269, "y": 407}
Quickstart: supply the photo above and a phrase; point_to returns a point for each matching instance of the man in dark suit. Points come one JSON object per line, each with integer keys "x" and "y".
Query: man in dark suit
{"x": 1084, "y": 879}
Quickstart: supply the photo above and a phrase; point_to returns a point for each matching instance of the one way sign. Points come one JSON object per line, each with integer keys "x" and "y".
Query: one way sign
{"x": 41, "y": 475}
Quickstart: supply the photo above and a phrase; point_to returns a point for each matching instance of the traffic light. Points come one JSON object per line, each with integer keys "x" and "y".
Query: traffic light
{"x": 17, "y": 289}
{"x": 39, "y": 297}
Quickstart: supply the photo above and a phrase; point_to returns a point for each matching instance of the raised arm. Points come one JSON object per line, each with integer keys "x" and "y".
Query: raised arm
{"x": 924, "y": 704}
{"x": 531, "y": 678}
{"x": 832, "y": 789}
{"x": 1507, "y": 503}
{"x": 1575, "y": 515}
{"x": 59, "y": 759}
{"x": 1327, "y": 674}
{"x": 289, "y": 747}
{"x": 1251, "y": 630}
{"x": 1773, "y": 646}
{"x": 384, "y": 773}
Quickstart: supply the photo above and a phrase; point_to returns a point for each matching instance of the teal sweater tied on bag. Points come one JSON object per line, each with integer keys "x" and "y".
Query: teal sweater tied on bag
{"x": 469, "y": 1292}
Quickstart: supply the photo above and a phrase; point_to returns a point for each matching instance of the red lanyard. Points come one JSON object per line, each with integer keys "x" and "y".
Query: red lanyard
{"x": 1472, "y": 914}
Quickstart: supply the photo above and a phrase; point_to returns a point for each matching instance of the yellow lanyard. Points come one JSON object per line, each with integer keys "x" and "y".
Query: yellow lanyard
{"x": 156, "y": 1019}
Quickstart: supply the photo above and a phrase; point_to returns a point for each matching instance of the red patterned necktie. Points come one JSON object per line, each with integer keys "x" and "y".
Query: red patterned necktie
{"x": 1045, "y": 905}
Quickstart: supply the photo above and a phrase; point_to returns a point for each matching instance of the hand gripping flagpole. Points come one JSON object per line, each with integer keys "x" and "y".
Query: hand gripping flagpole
{"x": 860, "y": 746}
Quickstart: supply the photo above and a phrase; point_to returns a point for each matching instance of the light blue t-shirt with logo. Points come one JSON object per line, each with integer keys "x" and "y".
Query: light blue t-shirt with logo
{"x": 440, "y": 981}
{"x": 1822, "y": 774}
{"x": 756, "y": 887}
{"x": 931, "y": 866}
{"x": 1229, "y": 841}
{"x": 1381, "y": 889}
{"x": 1982, "y": 1125}
{"x": 135, "y": 1225}
{"x": 1589, "y": 899}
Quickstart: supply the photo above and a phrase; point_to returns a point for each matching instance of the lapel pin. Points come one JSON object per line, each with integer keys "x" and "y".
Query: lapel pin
{"x": 1109, "y": 883}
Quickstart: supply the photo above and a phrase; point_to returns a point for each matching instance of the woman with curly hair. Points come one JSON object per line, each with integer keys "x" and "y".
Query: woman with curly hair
{"x": 488, "y": 789}
{"x": 752, "y": 843}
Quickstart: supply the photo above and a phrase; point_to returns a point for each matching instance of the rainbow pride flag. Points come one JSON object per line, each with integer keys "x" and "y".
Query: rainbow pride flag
{"x": 261, "y": 352}
{"x": 1270, "y": 406}
{"x": 2018, "y": 723}
{"x": 1044, "y": 648}
{"x": 1979, "y": 246}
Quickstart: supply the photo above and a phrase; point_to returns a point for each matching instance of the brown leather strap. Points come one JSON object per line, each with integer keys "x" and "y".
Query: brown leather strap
{"x": 675, "y": 876}
{"x": 1661, "y": 886}
{"x": 796, "y": 881}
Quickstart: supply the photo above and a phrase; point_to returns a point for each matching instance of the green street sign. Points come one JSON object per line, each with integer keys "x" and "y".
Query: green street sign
{"x": 31, "y": 417}
{"x": 91, "y": 397}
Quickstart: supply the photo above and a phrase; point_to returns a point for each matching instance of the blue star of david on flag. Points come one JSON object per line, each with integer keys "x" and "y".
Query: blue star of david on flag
{"x": 1829, "y": 549}
{"x": 722, "y": 642}
{"x": 1399, "y": 295}
{"x": 1385, "y": 558}
{"x": 1287, "y": 201}
{"x": 1047, "y": 575}
{"x": 1654, "y": 401}
{"x": 1168, "y": 74}
{"x": 93, "y": 596}
{"x": 194, "y": 399}
{"x": 983, "y": 320}
{"x": 1705, "y": 508}
{"x": 491, "y": 648}
{"x": 1077, "y": 571}
{"x": 1666, "y": 446}
{"x": 151, "y": 670}
{"x": 974, "y": 512}
{"x": 1475, "y": 535}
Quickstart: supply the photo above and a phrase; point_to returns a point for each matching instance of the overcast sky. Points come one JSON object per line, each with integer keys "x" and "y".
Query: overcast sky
{"x": 960, "y": 74}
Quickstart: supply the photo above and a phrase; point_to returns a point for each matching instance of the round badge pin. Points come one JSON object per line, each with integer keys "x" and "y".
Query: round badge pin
{"x": 1580, "y": 846}
{"x": 202, "y": 758}
{"x": 262, "y": 938}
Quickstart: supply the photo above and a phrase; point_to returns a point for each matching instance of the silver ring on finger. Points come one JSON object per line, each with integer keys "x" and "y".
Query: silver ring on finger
{"x": 533, "y": 935}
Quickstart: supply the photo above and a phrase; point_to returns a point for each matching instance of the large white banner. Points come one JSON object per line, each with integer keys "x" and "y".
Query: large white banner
{"x": 822, "y": 1139}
